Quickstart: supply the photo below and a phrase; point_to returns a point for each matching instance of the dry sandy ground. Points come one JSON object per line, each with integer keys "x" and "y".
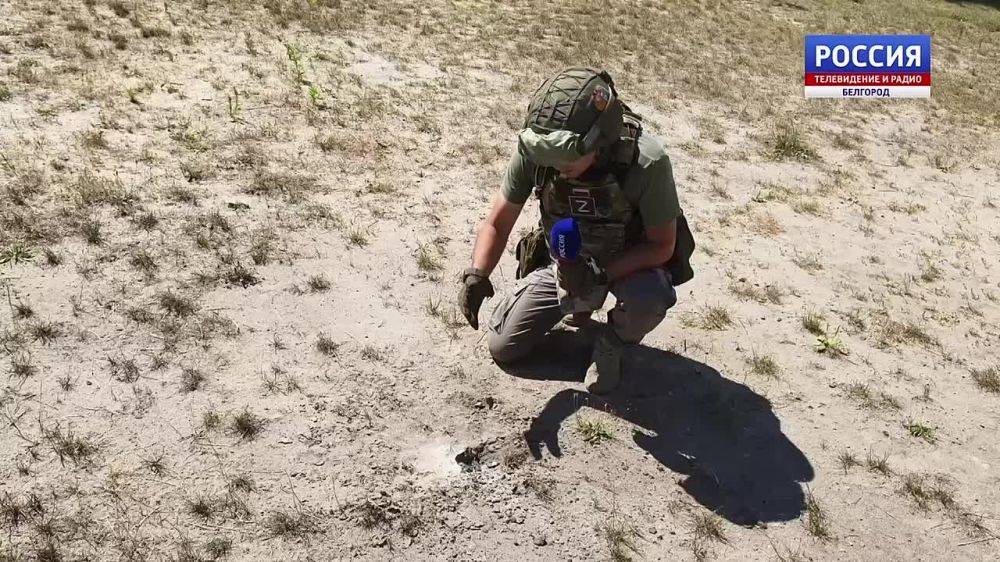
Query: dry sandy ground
{"x": 230, "y": 234}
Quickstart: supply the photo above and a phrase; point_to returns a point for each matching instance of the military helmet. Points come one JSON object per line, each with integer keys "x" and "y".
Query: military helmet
{"x": 582, "y": 101}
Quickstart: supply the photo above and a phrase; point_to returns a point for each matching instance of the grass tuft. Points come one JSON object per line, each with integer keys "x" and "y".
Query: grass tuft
{"x": 924, "y": 491}
{"x": 22, "y": 367}
{"x": 893, "y": 332}
{"x": 715, "y": 317}
{"x": 358, "y": 236}
{"x": 872, "y": 401}
{"x": 787, "y": 142}
{"x": 68, "y": 445}
{"x": 817, "y": 522}
{"x": 241, "y": 483}
{"x": 211, "y": 420}
{"x": 247, "y": 425}
{"x": 766, "y": 294}
{"x": 428, "y": 259}
{"x": 90, "y": 190}
{"x": 294, "y": 187}
{"x": 621, "y": 538}
{"x": 202, "y": 507}
{"x": 813, "y": 322}
{"x": 281, "y": 524}
{"x": 144, "y": 262}
{"x": 218, "y": 548}
{"x": 326, "y": 346}
{"x": 124, "y": 370}
{"x": 808, "y": 262}
{"x": 318, "y": 283}
{"x": 878, "y": 464}
{"x": 44, "y": 331}
{"x": 156, "y": 465}
{"x": 240, "y": 275}
{"x": 764, "y": 366}
{"x": 262, "y": 247}
{"x": 709, "y": 526}
{"x": 373, "y": 353}
{"x": 191, "y": 379}
{"x": 593, "y": 431}
{"x": 920, "y": 431}
{"x": 848, "y": 461}
{"x": 176, "y": 304}
{"x": 22, "y": 310}
{"x": 987, "y": 379}
{"x": 16, "y": 253}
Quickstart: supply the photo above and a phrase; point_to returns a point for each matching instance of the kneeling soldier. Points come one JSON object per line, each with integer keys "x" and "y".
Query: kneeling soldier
{"x": 586, "y": 157}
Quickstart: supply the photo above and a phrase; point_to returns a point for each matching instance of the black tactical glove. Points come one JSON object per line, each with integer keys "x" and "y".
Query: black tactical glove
{"x": 580, "y": 277}
{"x": 476, "y": 286}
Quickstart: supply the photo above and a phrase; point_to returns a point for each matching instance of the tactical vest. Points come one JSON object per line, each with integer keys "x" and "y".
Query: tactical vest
{"x": 609, "y": 222}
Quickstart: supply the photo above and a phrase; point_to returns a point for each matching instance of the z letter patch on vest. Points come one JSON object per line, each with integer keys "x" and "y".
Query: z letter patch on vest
{"x": 582, "y": 206}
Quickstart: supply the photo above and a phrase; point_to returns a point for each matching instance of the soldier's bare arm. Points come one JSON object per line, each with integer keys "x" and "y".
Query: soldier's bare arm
{"x": 493, "y": 232}
{"x": 652, "y": 252}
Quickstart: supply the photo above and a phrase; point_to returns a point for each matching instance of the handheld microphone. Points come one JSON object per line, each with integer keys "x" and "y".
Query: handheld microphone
{"x": 565, "y": 240}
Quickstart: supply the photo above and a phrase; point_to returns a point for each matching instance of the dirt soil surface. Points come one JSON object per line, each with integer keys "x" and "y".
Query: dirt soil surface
{"x": 230, "y": 234}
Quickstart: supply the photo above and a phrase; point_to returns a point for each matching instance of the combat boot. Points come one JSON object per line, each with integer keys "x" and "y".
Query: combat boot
{"x": 605, "y": 371}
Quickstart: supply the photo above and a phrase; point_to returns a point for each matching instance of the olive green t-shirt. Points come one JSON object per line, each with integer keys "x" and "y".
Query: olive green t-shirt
{"x": 649, "y": 185}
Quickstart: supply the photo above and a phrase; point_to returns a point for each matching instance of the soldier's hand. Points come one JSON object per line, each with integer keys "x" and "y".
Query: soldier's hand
{"x": 580, "y": 277}
{"x": 475, "y": 288}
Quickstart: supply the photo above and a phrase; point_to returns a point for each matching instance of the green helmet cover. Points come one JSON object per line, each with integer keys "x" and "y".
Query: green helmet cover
{"x": 581, "y": 101}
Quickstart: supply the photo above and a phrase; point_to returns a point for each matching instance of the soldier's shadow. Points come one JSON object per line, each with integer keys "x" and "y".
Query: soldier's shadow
{"x": 723, "y": 436}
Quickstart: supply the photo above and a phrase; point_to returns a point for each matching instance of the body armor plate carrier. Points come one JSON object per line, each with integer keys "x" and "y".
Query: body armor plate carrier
{"x": 609, "y": 222}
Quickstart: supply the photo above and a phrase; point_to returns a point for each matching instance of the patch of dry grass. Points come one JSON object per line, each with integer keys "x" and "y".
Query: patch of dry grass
{"x": 293, "y": 186}
{"x": 150, "y": 96}
{"x": 814, "y": 322}
{"x": 246, "y": 425}
{"x": 90, "y": 190}
{"x": 987, "y": 379}
{"x": 326, "y": 346}
{"x": 765, "y": 224}
{"x": 621, "y": 537}
{"x": 711, "y": 317}
{"x": 709, "y": 526}
{"x": 925, "y": 490}
{"x": 891, "y": 332}
{"x": 866, "y": 398}
{"x": 787, "y": 142}
{"x": 764, "y": 366}
{"x": 879, "y": 464}
{"x": 817, "y": 521}
{"x": 808, "y": 262}
{"x": 747, "y": 291}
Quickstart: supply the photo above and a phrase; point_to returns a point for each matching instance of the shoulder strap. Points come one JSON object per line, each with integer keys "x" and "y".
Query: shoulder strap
{"x": 625, "y": 152}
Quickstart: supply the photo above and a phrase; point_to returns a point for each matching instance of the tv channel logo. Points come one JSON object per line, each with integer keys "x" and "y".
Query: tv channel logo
{"x": 868, "y": 66}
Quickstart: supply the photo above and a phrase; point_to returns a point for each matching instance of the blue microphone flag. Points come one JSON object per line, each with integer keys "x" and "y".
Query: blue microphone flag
{"x": 565, "y": 240}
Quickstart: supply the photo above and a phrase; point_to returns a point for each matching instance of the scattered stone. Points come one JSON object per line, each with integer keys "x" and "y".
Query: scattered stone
{"x": 470, "y": 457}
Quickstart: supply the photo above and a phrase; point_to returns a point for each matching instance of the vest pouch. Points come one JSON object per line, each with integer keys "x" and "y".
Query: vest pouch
{"x": 602, "y": 241}
{"x": 679, "y": 265}
{"x": 532, "y": 252}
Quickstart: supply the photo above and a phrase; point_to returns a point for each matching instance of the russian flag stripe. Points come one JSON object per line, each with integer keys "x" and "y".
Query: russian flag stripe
{"x": 867, "y": 79}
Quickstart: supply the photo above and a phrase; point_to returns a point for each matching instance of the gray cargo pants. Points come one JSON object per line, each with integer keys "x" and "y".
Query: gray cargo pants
{"x": 523, "y": 317}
